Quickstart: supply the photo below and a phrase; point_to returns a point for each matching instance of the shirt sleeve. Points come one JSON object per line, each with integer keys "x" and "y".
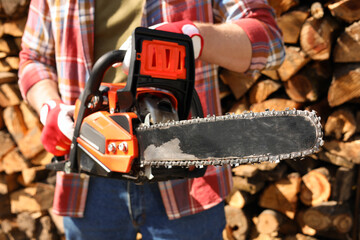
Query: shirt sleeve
{"x": 37, "y": 55}
{"x": 257, "y": 19}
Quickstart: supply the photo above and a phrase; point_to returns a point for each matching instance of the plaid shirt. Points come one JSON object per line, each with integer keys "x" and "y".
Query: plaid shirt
{"x": 58, "y": 45}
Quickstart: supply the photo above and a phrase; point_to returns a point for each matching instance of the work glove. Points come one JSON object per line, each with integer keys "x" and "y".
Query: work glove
{"x": 184, "y": 27}
{"x": 58, "y": 127}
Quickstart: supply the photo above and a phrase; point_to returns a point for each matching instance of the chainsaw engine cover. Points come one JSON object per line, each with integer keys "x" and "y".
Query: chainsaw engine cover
{"x": 107, "y": 145}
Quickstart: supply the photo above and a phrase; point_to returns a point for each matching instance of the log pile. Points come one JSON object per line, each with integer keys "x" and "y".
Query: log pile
{"x": 316, "y": 197}
{"x": 26, "y": 188}
{"x": 313, "y": 198}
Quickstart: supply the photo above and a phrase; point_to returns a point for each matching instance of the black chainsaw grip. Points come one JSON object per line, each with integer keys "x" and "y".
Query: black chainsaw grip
{"x": 92, "y": 89}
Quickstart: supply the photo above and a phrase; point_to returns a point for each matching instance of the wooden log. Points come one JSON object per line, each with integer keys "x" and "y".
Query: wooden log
{"x": 239, "y": 83}
{"x": 31, "y": 119}
{"x": 35, "y": 198}
{"x": 346, "y": 10}
{"x": 8, "y": 77}
{"x": 47, "y": 229}
{"x": 5, "y": 210}
{"x": 262, "y": 90}
{"x": 14, "y": 122}
{"x": 13, "y": 62}
{"x": 282, "y": 195}
{"x": 272, "y": 74}
{"x": 315, "y": 188}
{"x": 30, "y": 145}
{"x": 317, "y": 10}
{"x": 274, "y": 174}
{"x": 305, "y": 229}
{"x": 335, "y": 159}
{"x": 33, "y": 174}
{"x": 273, "y": 222}
{"x": 275, "y": 104}
{"x": 58, "y": 221}
{"x": 8, "y": 46}
{"x": 14, "y": 8}
{"x": 245, "y": 170}
{"x": 299, "y": 236}
{"x": 302, "y": 166}
{"x": 290, "y": 24}
{"x": 347, "y": 150}
{"x": 321, "y": 108}
{"x": 295, "y": 59}
{"x": 14, "y": 162}
{"x": 15, "y": 27}
{"x": 269, "y": 221}
{"x": 8, "y": 183}
{"x": 236, "y": 222}
{"x": 42, "y": 158}
{"x": 345, "y": 85}
{"x": 341, "y": 124}
{"x": 281, "y": 6}
{"x": 317, "y": 37}
{"x": 4, "y": 66}
{"x": 6, "y": 142}
{"x": 240, "y": 106}
{"x": 251, "y": 185}
{"x": 240, "y": 199}
{"x": 329, "y": 215}
{"x": 309, "y": 84}
{"x": 26, "y": 223}
{"x": 347, "y": 45}
{"x": 12, "y": 231}
{"x": 9, "y": 95}
{"x": 342, "y": 188}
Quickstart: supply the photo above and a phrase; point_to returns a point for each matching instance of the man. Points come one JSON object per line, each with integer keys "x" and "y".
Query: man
{"x": 62, "y": 40}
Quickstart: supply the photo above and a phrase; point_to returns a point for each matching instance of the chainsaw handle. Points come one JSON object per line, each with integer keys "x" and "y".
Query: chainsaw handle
{"x": 91, "y": 89}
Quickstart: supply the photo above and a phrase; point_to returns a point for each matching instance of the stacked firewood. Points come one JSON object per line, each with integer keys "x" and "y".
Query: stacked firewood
{"x": 316, "y": 197}
{"x": 26, "y": 188}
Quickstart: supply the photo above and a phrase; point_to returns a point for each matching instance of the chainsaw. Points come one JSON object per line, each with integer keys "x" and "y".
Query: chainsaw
{"x": 152, "y": 127}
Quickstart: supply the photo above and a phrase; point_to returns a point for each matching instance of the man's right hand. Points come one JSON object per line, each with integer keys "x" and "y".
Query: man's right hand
{"x": 58, "y": 130}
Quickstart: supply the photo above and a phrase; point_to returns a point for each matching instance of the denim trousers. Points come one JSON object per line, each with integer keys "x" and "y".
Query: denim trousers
{"x": 117, "y": 209}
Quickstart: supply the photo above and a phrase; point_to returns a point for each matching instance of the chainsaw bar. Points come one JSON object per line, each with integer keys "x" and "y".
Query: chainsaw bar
{"x": 233, "y": 139}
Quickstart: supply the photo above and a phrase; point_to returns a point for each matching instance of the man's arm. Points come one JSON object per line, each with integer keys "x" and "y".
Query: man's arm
{"x": 42, "y": 92}
{"x": 226, "y": 45}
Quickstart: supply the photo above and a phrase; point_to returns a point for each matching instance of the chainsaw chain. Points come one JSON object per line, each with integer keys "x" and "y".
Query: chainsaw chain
{"x": 236, "y": 161}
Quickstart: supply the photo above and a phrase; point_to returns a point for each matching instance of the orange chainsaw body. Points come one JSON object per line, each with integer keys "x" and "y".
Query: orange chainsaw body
{"x": 109, "y": 137}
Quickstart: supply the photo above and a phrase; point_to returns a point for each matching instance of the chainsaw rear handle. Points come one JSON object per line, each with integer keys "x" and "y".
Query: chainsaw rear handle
{"x": 91, "y": 90}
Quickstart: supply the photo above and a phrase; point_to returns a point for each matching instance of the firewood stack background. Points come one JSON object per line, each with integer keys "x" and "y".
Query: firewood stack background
{"x": 312, "y": 198}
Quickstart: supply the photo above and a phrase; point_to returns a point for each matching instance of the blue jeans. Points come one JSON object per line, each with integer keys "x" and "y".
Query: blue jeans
{"x": 117, "y": 209}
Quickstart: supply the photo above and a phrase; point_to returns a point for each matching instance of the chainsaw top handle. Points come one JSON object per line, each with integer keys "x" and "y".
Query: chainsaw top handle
{"x": 158, "y": 59}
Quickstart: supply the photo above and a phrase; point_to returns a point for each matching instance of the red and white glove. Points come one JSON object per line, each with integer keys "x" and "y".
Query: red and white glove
{"x": 58, "y": 127}
{"x": 184, "y": 27}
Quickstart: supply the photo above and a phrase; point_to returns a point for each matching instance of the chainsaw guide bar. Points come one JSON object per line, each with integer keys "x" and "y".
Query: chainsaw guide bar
{"x": 233, "y": 139}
